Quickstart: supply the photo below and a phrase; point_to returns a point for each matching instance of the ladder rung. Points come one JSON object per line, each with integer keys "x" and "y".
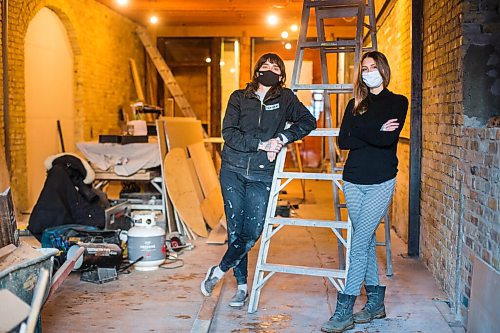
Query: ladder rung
{"x": 309, "y": 175}
{"x": 332, "y": 3}
{"x": 325, "y": 132}
{"x": 340, "y": 43}
{"x": 338, "y": 88}
{"x": 309, "y": 223}
{"x": 303, "y": 270}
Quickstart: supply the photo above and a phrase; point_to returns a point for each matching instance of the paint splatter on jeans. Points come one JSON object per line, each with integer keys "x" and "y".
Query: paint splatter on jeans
{"x": 245, "y": 205}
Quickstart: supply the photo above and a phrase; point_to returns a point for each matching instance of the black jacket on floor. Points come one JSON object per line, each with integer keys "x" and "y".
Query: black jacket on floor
{"x": 65, "y": 199}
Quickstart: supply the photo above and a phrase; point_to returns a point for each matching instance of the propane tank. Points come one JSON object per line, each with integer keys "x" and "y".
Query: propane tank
{"x": 146, "y": 240}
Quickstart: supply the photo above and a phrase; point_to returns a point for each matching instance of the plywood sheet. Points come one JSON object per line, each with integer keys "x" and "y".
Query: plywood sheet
{"x": 212, "y": 208}
{"x": 181, "y": 190}
{"x": 205, "y": 168}
{"x": 182, "y": 131}
{"x": 218, "y": 235}
{"x": 196, "y": 181}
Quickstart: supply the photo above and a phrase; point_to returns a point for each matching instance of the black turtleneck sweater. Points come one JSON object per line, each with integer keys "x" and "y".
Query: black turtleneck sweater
{"x": 372, "y": 153}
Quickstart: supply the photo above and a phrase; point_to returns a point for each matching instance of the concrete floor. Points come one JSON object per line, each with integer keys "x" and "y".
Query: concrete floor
{"x": 169, "y": 300}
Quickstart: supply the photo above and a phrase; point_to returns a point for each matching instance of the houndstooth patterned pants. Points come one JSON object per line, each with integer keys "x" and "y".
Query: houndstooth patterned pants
{"x": 367, "y": 204}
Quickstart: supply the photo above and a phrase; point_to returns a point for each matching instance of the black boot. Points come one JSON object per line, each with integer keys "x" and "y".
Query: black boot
{"x": 374, "y": 307}
{"x": 342, "y": 318}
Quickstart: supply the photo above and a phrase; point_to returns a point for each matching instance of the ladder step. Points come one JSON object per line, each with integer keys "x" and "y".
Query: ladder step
{"x": 309, "y": 222}
{"x": 339, "y": 43}
{"x": 304, "y": 270}
{"x": 309, "y": 175}
{"x": 325, "y": 132}
{"x": 332, "y": 3}
{"x": 333, "y": 88}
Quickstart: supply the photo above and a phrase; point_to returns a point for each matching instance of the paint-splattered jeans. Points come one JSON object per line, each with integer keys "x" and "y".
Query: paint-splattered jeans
{"x": 245, "y": 204}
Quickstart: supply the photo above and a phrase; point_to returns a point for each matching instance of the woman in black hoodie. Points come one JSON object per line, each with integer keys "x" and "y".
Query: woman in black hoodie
{"x": 370, "y": 131}
{"x": 254, "y": 132}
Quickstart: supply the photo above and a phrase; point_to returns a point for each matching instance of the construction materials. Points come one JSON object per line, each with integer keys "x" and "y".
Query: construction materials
{"x": 146, "y": 240}
{"x": 181, "y": 190}
{"x": 273, "y": 224}
{"x": 137, "y": 81}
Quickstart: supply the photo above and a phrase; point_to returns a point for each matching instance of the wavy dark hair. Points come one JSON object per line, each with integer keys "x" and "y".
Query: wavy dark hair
{"x": 361, "y": 90}
{"x": 273, "y": 58}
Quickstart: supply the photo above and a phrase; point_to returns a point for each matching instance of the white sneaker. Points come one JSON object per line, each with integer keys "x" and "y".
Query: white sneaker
{"x": 208, "y": 284}
{"x": 239, "y": 299}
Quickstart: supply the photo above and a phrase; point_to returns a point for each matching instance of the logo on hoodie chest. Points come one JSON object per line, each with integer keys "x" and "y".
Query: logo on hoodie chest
{"x": 272, "y": 107}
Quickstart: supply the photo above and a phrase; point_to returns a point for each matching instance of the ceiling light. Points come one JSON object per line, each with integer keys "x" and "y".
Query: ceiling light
{"x": 208, "y": 60}
{"x": 272, "y": 19}
{"x": 288, "y": 46}
{"x": 294, "y": 27}
{"x": 153, "y": 19}
{"x": 284, "y": 34}
{"x": 122, "y": 2}
{"x": 232, "y": 70}
{"x": 222, "y": 63}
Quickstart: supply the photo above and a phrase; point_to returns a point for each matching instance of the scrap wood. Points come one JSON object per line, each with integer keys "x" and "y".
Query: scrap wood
{"x": 7, "y": 250}
{"x": 182, "y": 191}
{"x": 207, "y": 311}
{"x": 204, "y": 166}
{"x": 212, "y": 207}
{"x": 218, "y": 235}
{"x": 182, "y": 131}
{"x": 63, "y": 272}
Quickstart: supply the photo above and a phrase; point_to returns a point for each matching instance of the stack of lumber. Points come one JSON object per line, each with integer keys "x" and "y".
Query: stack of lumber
{"x": 191, "y": 178}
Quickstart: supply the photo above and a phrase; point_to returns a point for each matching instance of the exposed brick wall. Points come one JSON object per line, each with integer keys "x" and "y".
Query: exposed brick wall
{"x": 394, "y": 40}
{"x": 481, "y": 147}
{"x": 460, "y": 164}
{"x": 441, "y": 141}
{"x": 102, "y": 42}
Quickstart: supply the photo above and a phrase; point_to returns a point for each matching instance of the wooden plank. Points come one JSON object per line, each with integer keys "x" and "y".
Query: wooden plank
{"x": 182, "y": 192}
{"x": 4, "y": 172}
{"x": 7, "y": 250}
{"x": 212, "y": 207}
{"x": 196, "y": 181}
{"x": 207, "y": 311}
{"x": 63, "y": 272}
{"x": 218, "y": 235}
{"x": 162, "y": 145}
{"x": 204, "y": 168}
{"x": 137, "y": 81}
{"x": 181, "y": 132}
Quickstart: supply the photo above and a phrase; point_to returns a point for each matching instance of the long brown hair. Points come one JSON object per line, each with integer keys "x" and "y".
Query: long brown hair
{"x": 361, "y": 90}
{"x": 273, "y": 58}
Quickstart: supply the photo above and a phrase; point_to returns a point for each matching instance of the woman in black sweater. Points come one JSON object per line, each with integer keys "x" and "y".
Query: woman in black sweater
{"x": 370, "y": 131}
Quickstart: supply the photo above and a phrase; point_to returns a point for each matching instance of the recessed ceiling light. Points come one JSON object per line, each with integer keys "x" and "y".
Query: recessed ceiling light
{"x": 284, "y": 34}
{"x": 122, "y": 2}
{"x": 153, "y": 19}
{"x": 208, "y": 59}
{"x": 222, "y": 63}
{"x": 272, "y": 19}
{"x": 288, "y": 46}
{"x": 294, "y": 27}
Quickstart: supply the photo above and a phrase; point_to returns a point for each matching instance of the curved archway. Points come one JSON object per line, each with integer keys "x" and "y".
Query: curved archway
{"x": 49, "y": 94}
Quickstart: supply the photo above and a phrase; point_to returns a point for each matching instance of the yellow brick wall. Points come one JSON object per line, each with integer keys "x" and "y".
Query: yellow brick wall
{"x": 394, "y": 40}
{"x": 102, "y": 43}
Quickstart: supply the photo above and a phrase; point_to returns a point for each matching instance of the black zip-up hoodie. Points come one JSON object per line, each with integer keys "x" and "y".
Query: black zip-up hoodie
{"x": 248, "y": 122}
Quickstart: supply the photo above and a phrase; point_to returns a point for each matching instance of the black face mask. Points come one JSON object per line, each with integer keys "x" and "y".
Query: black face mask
{"x": 268, "y": 78}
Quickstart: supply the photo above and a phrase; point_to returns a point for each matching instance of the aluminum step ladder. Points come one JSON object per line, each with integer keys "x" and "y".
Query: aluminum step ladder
{"x": 330, "y": 10}
{"x": 274, "y": 224}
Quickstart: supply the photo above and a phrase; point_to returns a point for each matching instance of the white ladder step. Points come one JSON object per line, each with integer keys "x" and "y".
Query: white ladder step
{"x": 309, "y": 222}
{"x": 310, "y": 175}
{"x": 336, "y": 88}
{"x": 303, "y": 270}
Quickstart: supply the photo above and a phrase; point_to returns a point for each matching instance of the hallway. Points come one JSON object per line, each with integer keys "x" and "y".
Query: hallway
{"x": 169, "y": 300}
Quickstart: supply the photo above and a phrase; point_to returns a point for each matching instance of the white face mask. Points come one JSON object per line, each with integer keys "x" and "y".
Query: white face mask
{"x": 372, "y": 79}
